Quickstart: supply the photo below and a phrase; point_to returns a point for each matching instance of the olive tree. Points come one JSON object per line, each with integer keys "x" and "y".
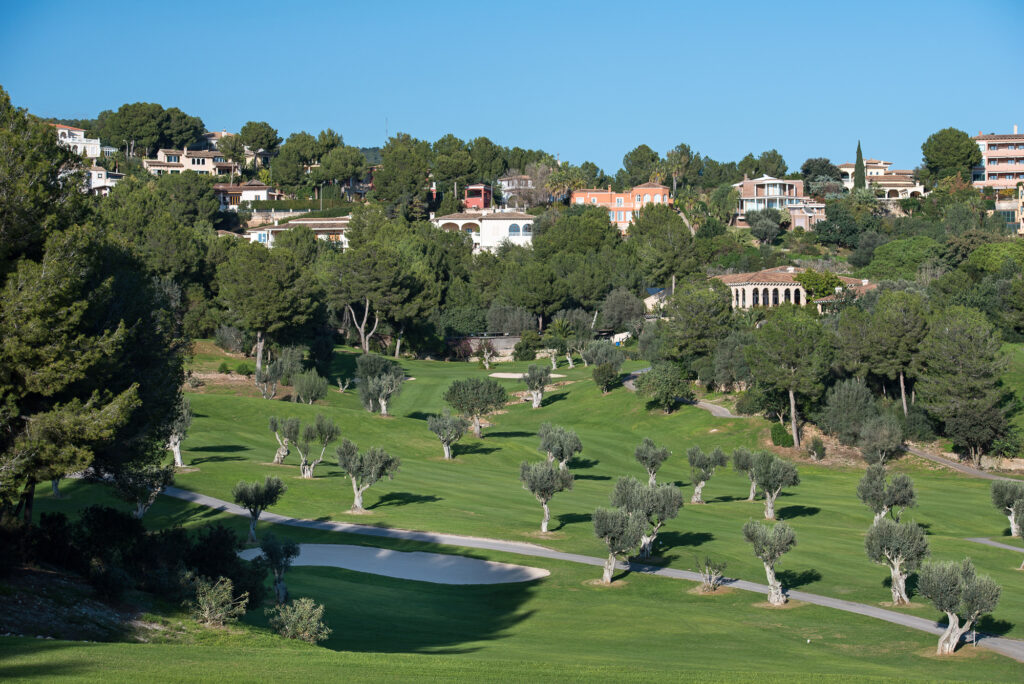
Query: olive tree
{"x": 770, "y": 544}
{"x": 621, "y": 531}
{"x": 449, "y": 429}
{"x": 536, "y": 379}
{"x": 141, "y": 485}
{"x": 279, "y": 555}
{"x": 743, "y": 462}
{"x": 286, "y": 431}
{"x": 651, "y": 456}
{"x": 702, "y": 468}
{"x": 543, "y": 480}
{"x": 267, "y": 378}
{"x": 320, "y": 434}
{"x": 179, "y": 428}
{"x": 1018, "y": 517}
{"x": 901, "y": 546}
{"x": 884, "y": 498}
{"x": 379, "y": 380}
{"x": 1004, "y": 494}
{"x": 881, "y": 438}
{"x": 559, "y": 444}
{"x": 959, "y": 592}
{"x": 656, "y": 503}
{"x": 474, "y": 398}
{"x": 256, "y": 498}
{"x": 365, "y": 469}
{"x": 310, "y": 386}
{"x": 772, "y": 474}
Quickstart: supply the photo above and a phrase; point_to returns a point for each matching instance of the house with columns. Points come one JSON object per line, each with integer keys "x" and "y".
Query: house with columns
{"x": 489, "y": 230}
{"x": 777, "y": 286}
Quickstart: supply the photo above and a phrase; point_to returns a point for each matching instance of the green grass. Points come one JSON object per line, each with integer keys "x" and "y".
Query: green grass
{"x": 560, "y": 627}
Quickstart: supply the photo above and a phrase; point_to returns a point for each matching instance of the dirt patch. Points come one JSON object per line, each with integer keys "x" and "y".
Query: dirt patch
{"x": 720, "y": 591}
{"x": 518, "y": 376}
{"x": 207, "y": 347}
{"x": 537, "y": 534}
{"x": 186, "y": 469}
{"x": 965, "y": 652}
{"x": 788, "y": 605}
{"x": 614, "y": 584}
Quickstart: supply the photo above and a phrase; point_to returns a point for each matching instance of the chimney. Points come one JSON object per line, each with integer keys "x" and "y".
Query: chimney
{"x": 1015, "y": 129}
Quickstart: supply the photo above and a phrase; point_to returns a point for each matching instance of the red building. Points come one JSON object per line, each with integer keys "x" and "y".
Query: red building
{"x": 478, "y": 196}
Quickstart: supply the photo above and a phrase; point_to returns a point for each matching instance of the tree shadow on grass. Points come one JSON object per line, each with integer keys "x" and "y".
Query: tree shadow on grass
{"x": 727, "y": 498}
{"x": 509, "y": 434}
{"x": 419, "y": 415}
{"x": 794, "y": 580}
{"x": 476, "y": 448}
{"x": 600, "y": 478}
{"x": 672, "y": 540}
{"x": 993, "y": 627}
{"x": 220, "y": 449}
{"x": 572, "y": 519}
{"x": 403, "y": 499}
{"x": 216, "y": 459}
{"x": 552, "y": 398}
{"x": 578, "y": 463}
{"x": 798, "y": 511}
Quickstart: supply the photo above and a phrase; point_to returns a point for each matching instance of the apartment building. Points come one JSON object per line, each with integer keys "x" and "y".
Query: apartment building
{"x": 1002, "y": 160}
{"x": 622, "y": 205}
{"x": 204, "y": 162}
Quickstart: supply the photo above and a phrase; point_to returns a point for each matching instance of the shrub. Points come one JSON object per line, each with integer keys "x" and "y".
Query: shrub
{"x": 244, "y": 368}
{"x": 302, "y": 619}
{"x": 848, "y": 406}
{"x": 711, "y": 572}
{"x": 781, "y": 436}
{"x": 665, "y": 385}
{"x": 310, "y": 386}
{"x": 107, "y": 579}
{"x": 527, "y": 346}
{"x": 215, "y": 603}
{"x": 917, "y": 426}
{"x": 224, "y": 368}
{"x": 290, "y": 359}
{"x": 816, "y": 451}
{"x": 606, "y": 377}
{"x": 229, "y": 338}
{"x": 215, "y": 554}
{"x": 604, "y": 352}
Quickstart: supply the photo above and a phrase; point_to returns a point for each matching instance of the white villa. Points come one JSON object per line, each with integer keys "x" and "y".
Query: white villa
{"x": 101, "y": 181}
{"x": 489, "y": 230}
{"x": 330, "y": 229}
{"x": 777, "y": 286}
{"x": 232, "y": 195}
{"x": 75, "y": 138}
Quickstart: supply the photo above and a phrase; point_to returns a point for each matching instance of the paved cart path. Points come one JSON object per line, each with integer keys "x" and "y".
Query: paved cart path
{"x": 1010, "y": 647}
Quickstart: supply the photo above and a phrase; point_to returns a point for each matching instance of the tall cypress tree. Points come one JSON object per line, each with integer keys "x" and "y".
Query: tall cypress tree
{"x": 858, "y": 170}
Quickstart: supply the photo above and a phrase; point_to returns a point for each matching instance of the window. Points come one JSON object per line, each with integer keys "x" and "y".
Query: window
{"x": 619, "y": 216}
{"x": 579, "y": 200}
{"x": 513, "y": 229}
{"x": 647, "y": 198}
{"x": 993, "y": 147}
{"x": 172, "y": 157}
{"x": 198, "y": 161}
{"x": 593, "y": 200}
{"x": 527, "y": 229}
{"x": 219, "y": 160}
{"x": 234, "y": 200}
{"x": 618, "y": 201}
{"x": 262, "y": 237}
{"x": 657, "y": 199}
{"x": 629, "y": 216}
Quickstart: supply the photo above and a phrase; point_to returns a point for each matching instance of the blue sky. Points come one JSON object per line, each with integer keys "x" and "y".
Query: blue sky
{"x": 581, "y": 80}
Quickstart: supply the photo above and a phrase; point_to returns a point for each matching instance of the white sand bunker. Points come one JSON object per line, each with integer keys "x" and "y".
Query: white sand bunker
{"x": 439, "y": 568}
{"x": 516, "y": 376}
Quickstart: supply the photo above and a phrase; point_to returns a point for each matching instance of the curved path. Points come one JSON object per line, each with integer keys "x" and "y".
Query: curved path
{"x": 1009, "y": 647}
{"x": 955, "y": 465}
{"x": 437, "y": 568}
{"x": 714, "y": 409}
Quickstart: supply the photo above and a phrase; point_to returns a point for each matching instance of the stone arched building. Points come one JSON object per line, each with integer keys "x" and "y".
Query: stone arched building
{"x": 776, "y": 286}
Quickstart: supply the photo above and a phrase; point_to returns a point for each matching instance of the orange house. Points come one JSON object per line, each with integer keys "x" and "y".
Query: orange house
{"x": 621, "y": 205}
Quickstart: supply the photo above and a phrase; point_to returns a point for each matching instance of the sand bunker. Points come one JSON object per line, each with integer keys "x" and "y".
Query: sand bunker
{"x": 516, "y": 376}
{"x": 439, "y": 568}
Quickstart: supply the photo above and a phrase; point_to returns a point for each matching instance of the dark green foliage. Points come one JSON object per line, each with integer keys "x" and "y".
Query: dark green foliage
{"x": 765, "y": 225}
{"x": 816, "y": 451}
{"x": 959, "y": 592}
{"x": 819, "y": 167}
{"x": 901, "y": 546}
{"x": 858, "y": 170}
{"x": 215, "y": 603}
{"x": 849, "y": 405}
{"x": 503, "y": 318}
{"x": 560, "y": 444}
{"x": 656, "y": 503}
{"x": 229, "y": 338}
{"x": 224, "y": 368}
{"x": 526, "y": 348}
{"x": 244, "y": 368}
{"x": 279, "y": 555}
{"x": 665, "y": 385}
{"x": 604, "y": 353}
{"x": 379, "y": 379}
{"x": 257, "y": 497}
{"x": 781, "y": 437}
{"x": 698, "y": 318}
{"x": 605, "y": 377}
{"x": 448, "y": 428}
{"x": 544, "y": 480}
{"x": 950, "y": 152}
{"x": 881, "y": 438}
{"x": 621, "y": 309}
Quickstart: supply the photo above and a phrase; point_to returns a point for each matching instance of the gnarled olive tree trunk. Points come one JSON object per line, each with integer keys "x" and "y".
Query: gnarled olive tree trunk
{"x": 950, "y": 639}
{"x": 899, "y": 582}
{"x": 775, "y": 595}
{"x": 547, "y": 517}
{"x": 609, "y": 569}
{"x": 696, "y": 499}
{"x": 753, "y": 490}
{"x": 537, "y": 396}
{"x": 447, "y": 450}
{"x": 174, "y": 442}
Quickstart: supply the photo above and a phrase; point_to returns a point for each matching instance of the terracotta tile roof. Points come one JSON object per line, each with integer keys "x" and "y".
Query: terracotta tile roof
{"x": 782, "y": 275}
{"x": 998, "y": 136}
{"x": 651, "y": 185}
{"x": 461, "y": 216}
{"x": 70, "y": 128}
{"x": 503, "y": 215}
